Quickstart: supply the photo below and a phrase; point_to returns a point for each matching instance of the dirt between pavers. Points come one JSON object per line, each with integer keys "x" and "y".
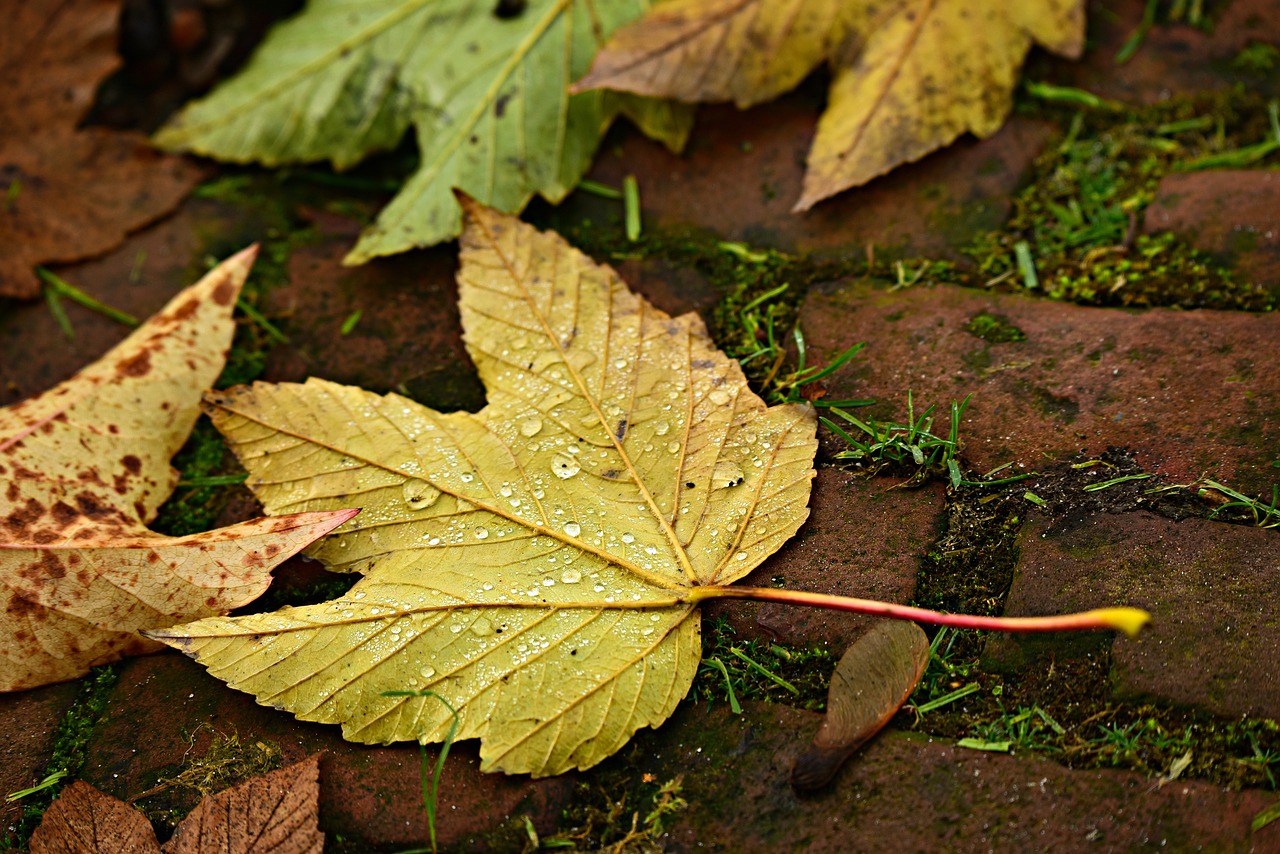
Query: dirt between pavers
{"x": 906, "y": 793}
{"x": 1187, "y": 392}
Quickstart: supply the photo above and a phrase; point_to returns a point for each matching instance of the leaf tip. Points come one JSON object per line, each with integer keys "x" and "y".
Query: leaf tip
{"x": 471, "y": 208}
{"x": 244, "y": 259}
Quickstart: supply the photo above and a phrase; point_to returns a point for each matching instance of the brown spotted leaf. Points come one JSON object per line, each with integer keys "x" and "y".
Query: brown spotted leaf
{"x": 907, "y": 77}
{"x": 68, "y": 193}
{"x": 84, "y": 820}
{"x": 83, "y": 469}
{"x": 875, "y": 676}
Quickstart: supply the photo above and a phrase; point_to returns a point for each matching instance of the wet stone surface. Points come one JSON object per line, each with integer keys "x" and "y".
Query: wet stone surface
{"x": 28, "y": 721}
{"x": 1234, "y": 215}
{"x": 1183, "y": 390}
{"x": 1214, "y": 638}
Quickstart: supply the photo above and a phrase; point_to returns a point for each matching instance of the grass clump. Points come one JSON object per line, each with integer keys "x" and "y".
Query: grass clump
{"x": 1077, "y": 223}
{"x": 70, "y": 744}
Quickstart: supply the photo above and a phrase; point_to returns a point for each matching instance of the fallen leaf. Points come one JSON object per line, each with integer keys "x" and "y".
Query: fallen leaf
{"x": 84, "y": 820}
{"x": 875, "y": 676}
{"x": 536, "y": 564}
{"x": 67, "y": 193}
{"x": 908, "y": 78}
{"x": 486, "y": 96}
{"x": 85, "y": 466}
{"x": 278, "y": 812}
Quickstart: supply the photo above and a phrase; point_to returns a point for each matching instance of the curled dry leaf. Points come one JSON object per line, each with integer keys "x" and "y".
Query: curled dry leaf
{"x": 537, "y": 564}
{"x": 908, "y": 77}
{"x": 84, "y": 468}
{"x": 68, "y": 193}
{"x": 874, "y": 678}
{"x": 487, "y": 97}
{"x": 278, "y": 812}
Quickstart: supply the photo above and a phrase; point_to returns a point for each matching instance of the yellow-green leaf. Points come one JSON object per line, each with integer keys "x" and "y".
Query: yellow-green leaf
{"x": 908, "y": 78}
{"x": 84, "y": 468}
{"x": 486, "y": 96}
{"x": 534, "y": 563}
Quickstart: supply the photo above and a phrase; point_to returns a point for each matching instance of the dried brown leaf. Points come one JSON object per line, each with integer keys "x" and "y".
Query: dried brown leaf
{"x": 908, "y": 77}
{"x": 84, "y": 820}
{"x": 68, "y": 194}
{"x": 277, "y": 813}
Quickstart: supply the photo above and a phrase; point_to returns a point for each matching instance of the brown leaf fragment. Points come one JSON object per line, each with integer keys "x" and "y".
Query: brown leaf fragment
{"x": 929, "y": 72}
{"x": 67, "y": 193}
{"x": 874, "y": 678}
{"x": 745, "y": 51}
{"x": 84, "y": 467}
{"x": 84, "y": 820}
{"x": 277, "y": 812}
{"x": 908, "y": 77}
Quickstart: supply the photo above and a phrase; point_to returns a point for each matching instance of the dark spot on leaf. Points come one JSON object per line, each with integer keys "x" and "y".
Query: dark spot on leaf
{"x": 500, "y": 105}
{"x": 137, "y": 366}
{"x": 507, "y": 9}
{"x": 89, "y": 505}
{"x": 688, "y": 484}
{"x": 132, "y": 464}
{"x": 153, "y": 556}
{"x": 63, "y": 513}
{"x": 224, "y": 293}
{"x": 702, "y": 364}
{"x": 24, "y": 517}
{"x": 187, "y": 309}
{"x": 611, "y": 474}
{"x": 621, "y": 430}
{"x": 52, "y": 567}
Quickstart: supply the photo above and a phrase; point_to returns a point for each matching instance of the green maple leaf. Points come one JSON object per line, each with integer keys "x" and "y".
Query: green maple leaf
{"x": 487, "y": 97}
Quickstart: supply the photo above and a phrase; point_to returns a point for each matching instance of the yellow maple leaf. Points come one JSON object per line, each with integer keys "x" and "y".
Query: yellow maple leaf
{"x": 530, "y": 563}
{"x": 85, "y": 466}
{"x": 536, "y": 566}
{"x": 908, "y": 77}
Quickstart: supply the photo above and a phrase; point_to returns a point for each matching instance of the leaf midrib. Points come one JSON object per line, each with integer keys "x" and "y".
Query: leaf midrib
{"x": 677, "y": 548}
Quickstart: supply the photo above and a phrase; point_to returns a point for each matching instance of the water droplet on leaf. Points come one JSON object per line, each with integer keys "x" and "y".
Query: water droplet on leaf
{"x": 564, "y": 466}
{"x": 419, "y": 494}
